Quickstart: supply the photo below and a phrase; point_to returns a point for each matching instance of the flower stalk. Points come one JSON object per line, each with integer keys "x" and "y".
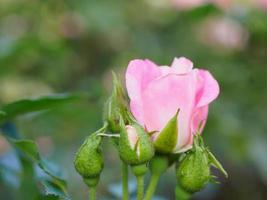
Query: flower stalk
{"x": 92, "y": 193}
{"x": 152, "y": 186}
{"x": 158, "y": 165}
{"x": 140, "y": 187}
{"x": 139, "y": 171}
{"x": 125, "y": 195}
{"x": 181, "y": 194}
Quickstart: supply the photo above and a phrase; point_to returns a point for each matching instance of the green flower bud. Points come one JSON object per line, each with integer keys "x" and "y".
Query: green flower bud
{"x": 135, "y": 146}
{"x": 89, "y": 161}
{"x": 193, "y": 172}
{"x": 116, "y": 106}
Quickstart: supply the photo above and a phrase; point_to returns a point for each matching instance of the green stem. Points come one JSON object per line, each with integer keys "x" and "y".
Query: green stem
{"x": 152, "y": 186}
{"x": 140, "y": 187}
{"x": 92, "y": 193}
{"x": 125, "y": 195}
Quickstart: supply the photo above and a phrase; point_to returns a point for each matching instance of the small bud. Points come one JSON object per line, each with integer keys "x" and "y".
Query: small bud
{"x": 135, "y": 146}
{"x": 193, "y": 172}
{"x": 116, "y": 106}
{"x": 166, "y": 140}
{"x": 89, "y": 161}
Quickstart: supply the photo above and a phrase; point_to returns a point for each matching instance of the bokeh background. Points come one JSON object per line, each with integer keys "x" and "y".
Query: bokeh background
{"x": 49, "y": 47}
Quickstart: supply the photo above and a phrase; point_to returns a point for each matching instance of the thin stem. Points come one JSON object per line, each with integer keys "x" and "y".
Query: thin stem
{"x": 92, "y": 193}
{"x": 140, "y": 187}
{"x": 103, "y": 128}
{"x": 125, "y": 195}
{"x": 109, "y": 135}
{"x": 152, "y": 186}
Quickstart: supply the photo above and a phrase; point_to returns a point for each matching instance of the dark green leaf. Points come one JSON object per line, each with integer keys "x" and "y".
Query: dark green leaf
{"x": 16, "y": 108}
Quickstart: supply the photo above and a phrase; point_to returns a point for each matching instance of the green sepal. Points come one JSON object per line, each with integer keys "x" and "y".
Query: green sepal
{"x": 216, "y": 163}
{"x": 89, "y": 160}
{"x": 198, "y": 141}
{"x": 167, "y": 138}
{"x": 213, "y": 179}
{"x": 143, "y": 151}
{"x": 115, "y": 106}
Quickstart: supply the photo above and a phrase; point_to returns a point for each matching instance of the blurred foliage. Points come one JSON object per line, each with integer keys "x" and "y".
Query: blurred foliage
{"x": 71, "y": 46}
{"x": 27, "y": 151}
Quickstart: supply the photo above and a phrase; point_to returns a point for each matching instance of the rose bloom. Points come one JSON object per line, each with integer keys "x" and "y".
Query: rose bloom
{"x": 157, "y": 92}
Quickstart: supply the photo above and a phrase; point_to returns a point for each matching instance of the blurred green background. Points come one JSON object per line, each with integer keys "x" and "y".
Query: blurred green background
{"x": 49, "y": 47}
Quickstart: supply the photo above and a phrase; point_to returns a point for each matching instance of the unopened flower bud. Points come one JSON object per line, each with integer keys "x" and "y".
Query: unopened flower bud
{"x": 115, "y": 106}
{"x": 193, "y": 172}
{"x": 89, "y": 160}
{"x": 135, "y": 146}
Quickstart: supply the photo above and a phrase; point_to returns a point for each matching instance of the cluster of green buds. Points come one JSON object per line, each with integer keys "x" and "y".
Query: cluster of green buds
{"x": 193, "y": 171}
{"x": 133, "y": 143}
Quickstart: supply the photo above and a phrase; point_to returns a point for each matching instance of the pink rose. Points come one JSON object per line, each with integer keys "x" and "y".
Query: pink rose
{"x": 157, "y": 92}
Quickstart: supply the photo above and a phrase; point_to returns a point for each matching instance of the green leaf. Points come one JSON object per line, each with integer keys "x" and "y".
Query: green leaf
{"x": 51, "y": 189}
{"x": 167, "y": 139}
{"x": 24, "y": 106}
{"x": 30, "y": 149}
